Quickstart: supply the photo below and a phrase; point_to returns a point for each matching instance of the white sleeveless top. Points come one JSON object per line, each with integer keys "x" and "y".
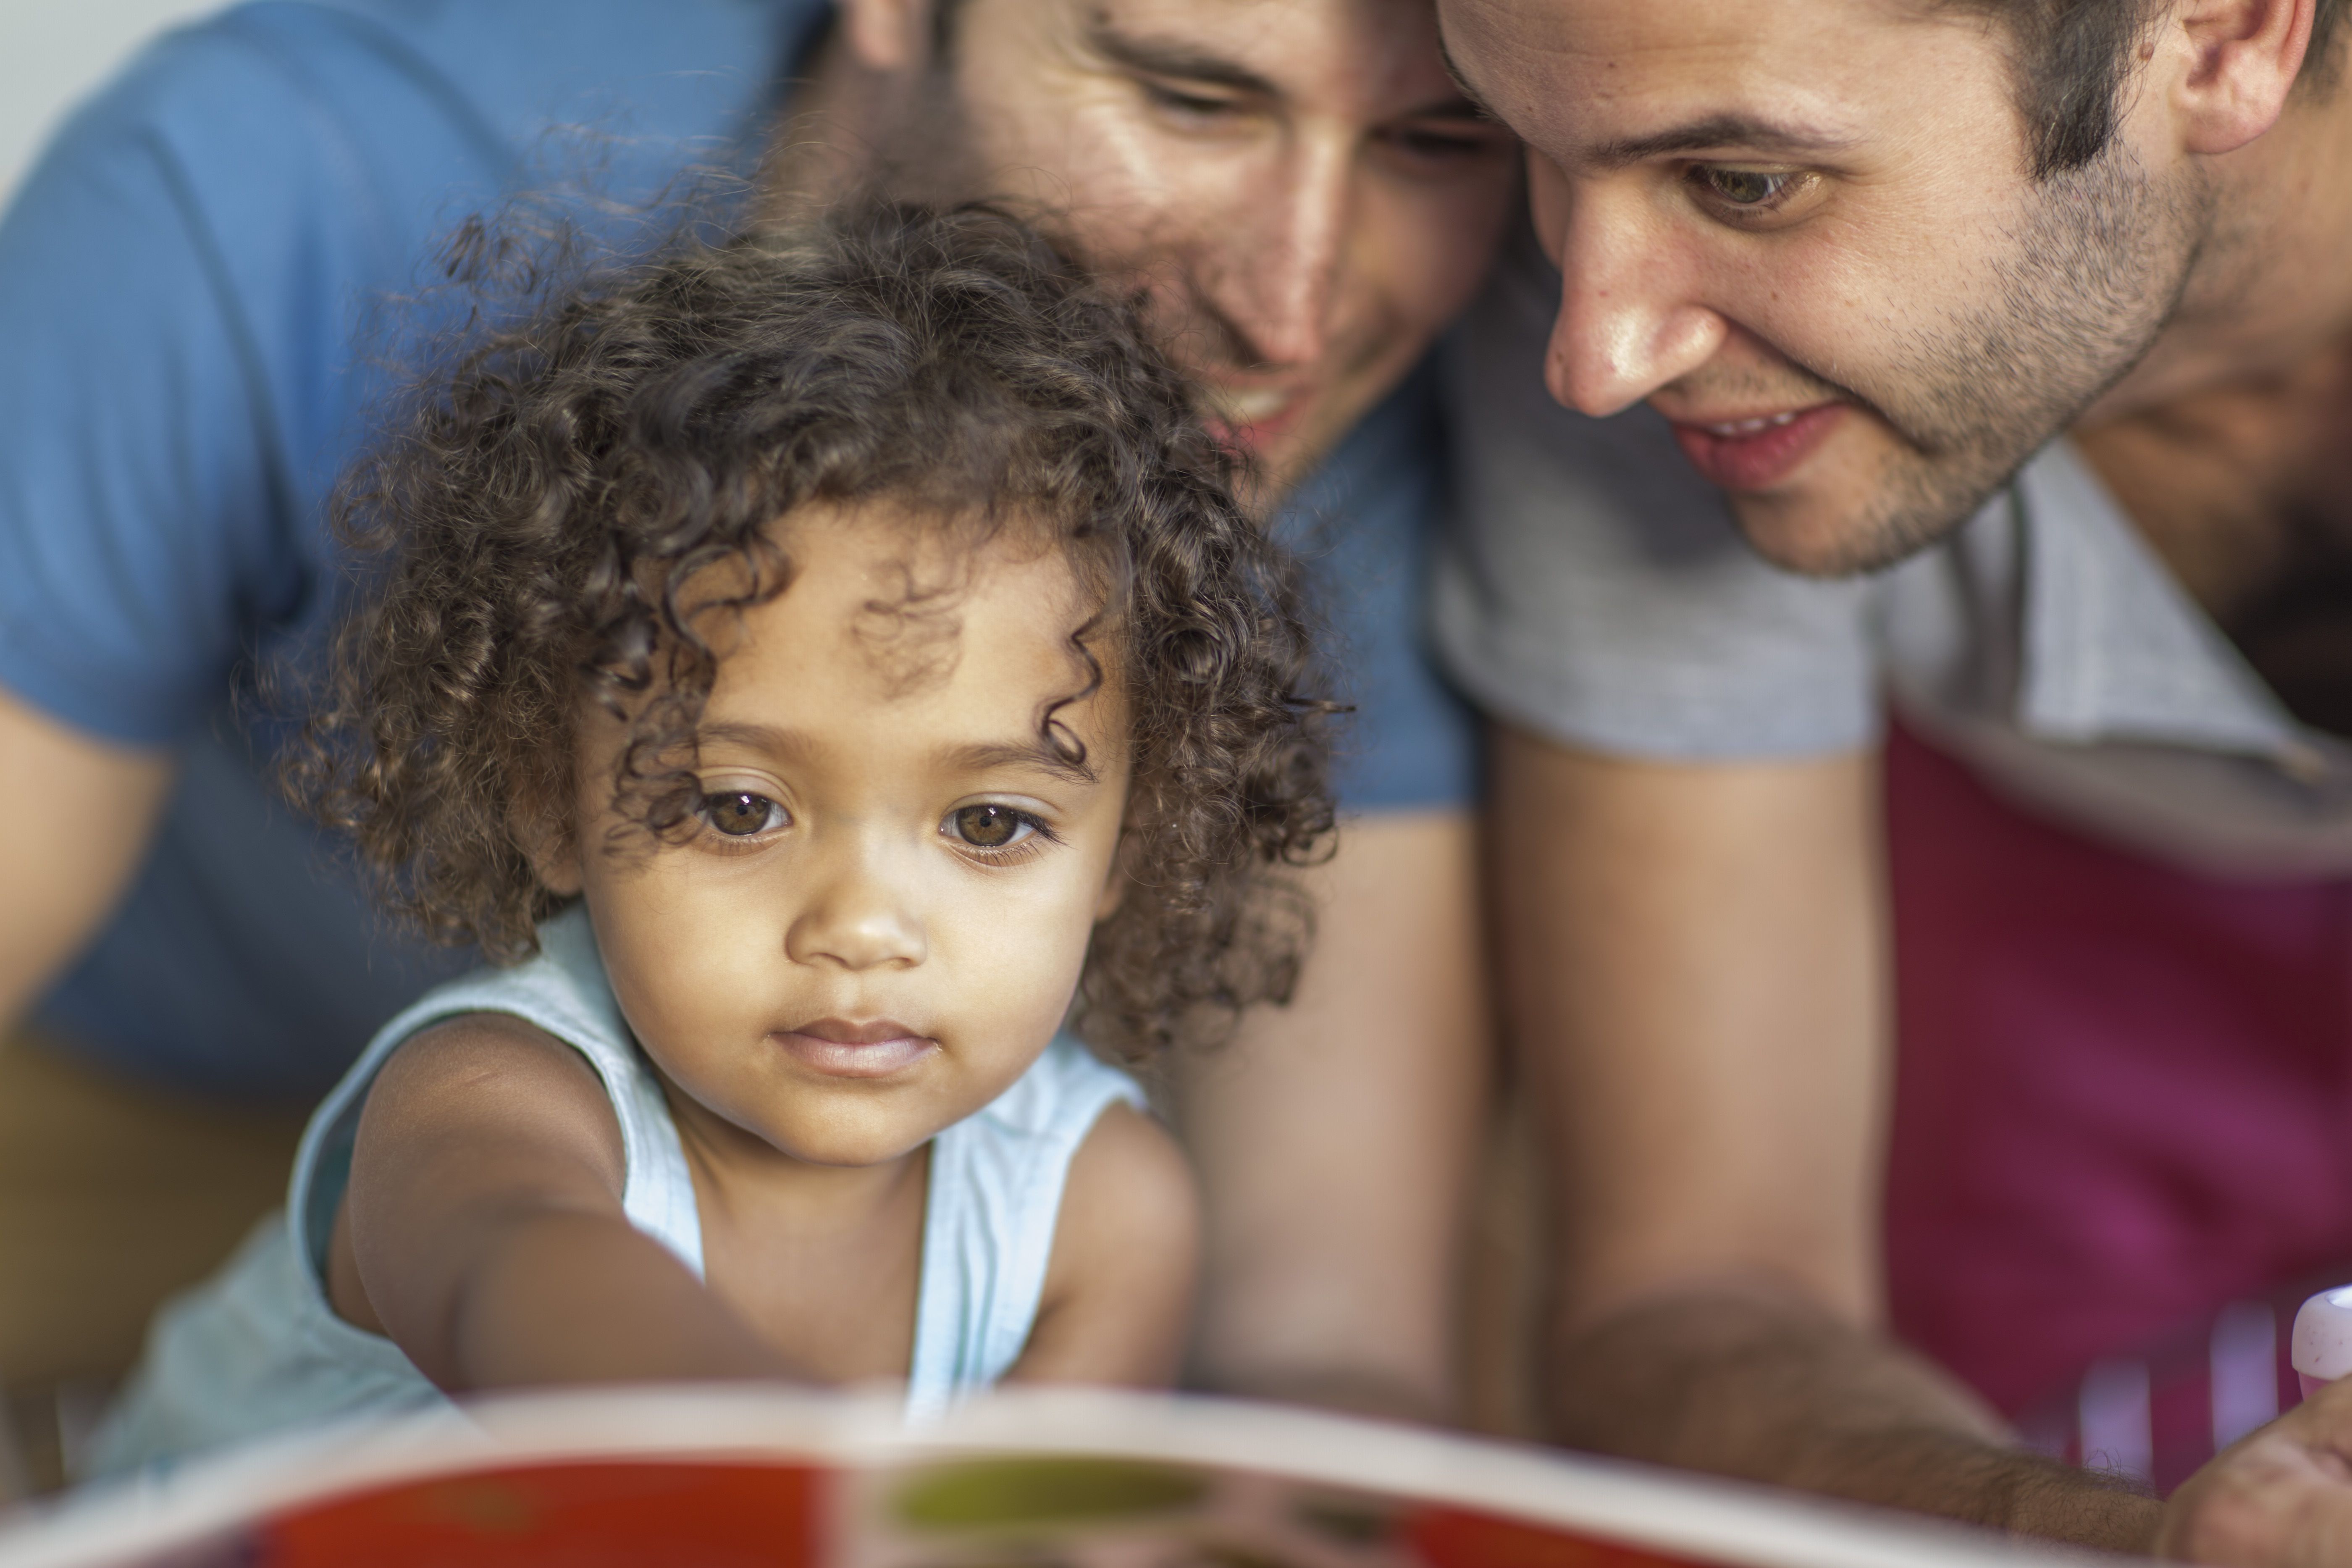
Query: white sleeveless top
{"x": 258, "y": 1349}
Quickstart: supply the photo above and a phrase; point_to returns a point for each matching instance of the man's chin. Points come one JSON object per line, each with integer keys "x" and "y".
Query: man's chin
{"x": 1801, "y": 541}
{"x": 1818, "y": 537}
{"x": 1283, "y": 457}
{"x": 1862, "y": 510}
{"x": 1287, "y": 444}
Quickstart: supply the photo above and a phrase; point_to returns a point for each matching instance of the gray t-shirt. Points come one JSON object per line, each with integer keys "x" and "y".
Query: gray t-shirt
{"x": 1594, "y": 590}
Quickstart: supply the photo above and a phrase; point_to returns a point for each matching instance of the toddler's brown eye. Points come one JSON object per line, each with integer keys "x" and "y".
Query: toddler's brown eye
{"x": 739, "y": 814}
{"x": 989, "y": 827}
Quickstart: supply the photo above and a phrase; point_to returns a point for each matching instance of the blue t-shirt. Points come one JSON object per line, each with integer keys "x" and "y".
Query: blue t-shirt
{"x": 194, "y": 288}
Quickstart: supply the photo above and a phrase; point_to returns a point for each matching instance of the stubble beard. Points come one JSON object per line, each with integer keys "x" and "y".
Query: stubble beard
{"x": 2094, "y": 273}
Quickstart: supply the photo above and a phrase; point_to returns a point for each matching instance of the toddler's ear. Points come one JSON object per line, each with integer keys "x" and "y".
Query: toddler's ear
{"x": 559, "y": 874}
{"x": 1114, "y": 892}
{"x": 553, "y": 852}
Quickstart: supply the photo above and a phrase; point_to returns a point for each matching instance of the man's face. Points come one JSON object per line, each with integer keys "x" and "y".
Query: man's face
{"x": 1305, "y": 193}
{"x": 1805, "y": 230}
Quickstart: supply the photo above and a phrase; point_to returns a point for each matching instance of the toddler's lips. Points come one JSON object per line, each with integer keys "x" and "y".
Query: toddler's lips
{"x": 875, "y": 1057}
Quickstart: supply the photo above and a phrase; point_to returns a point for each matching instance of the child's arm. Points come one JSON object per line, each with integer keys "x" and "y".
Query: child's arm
{"x": 1119, "y": 1293}
{"x": 483, "y": 1231}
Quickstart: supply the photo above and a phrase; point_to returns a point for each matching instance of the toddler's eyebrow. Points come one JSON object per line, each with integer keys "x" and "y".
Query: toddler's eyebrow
{"x": 977, "y": 756}
{"x": 757, "y": 737}
{"x": 980, "y": 757}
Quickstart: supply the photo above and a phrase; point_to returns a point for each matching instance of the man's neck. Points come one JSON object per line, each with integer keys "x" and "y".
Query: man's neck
{"x": 2273, "y": 281}
{"x": 848, "y": 126}
{"x": 2227, "y": 446}
{"x": 826, "y": 140}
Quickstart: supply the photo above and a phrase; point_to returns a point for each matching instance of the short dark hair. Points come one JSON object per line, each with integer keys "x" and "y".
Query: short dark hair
{"x": 2074, "y": 59}
{"x": 529, "y": 530}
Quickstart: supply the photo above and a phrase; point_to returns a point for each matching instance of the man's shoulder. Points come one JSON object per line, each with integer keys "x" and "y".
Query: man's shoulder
{"x": 310, "y": 155}
{"x": 526, "y": 68}
{"x": 360, "y": 90}
{"x": 482, "y": 51}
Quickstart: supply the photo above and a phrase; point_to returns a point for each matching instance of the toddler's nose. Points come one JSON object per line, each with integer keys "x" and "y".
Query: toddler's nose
{"x": 856, "y": 917}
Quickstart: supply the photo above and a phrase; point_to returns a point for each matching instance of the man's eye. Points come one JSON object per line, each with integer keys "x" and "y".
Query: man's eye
{"x": 1175, "y": 100}
{"x": 740, "y": 814}
{"x": 1434, "y": 144}
{"x": 991, "y": 826}
{"x": 1744, "y": 187}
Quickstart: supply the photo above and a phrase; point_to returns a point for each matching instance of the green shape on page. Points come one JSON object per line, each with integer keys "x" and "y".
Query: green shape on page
{"x": 1043, "y": 1492}
{"x": 1001, "y": 1494}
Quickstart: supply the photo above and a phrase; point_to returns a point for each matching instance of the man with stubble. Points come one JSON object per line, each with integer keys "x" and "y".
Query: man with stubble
{"x": 2012, "y": 337}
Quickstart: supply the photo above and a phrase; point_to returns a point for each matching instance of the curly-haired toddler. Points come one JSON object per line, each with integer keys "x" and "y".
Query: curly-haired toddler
{"x": 811, "y": 669}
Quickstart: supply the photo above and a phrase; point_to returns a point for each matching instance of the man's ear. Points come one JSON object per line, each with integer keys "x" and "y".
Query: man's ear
{"x": 890, "y": 35}
{"x": 2228, "y": 67}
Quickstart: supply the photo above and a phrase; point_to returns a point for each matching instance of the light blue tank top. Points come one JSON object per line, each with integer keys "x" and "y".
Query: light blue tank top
{"x": 258, "y": 1350}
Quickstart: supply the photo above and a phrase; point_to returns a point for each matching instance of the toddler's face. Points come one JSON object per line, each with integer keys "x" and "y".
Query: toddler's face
{"x": 881, "y": 916}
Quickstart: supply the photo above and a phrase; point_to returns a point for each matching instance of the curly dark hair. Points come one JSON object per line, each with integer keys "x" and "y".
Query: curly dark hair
{"x": 530, "y": 527}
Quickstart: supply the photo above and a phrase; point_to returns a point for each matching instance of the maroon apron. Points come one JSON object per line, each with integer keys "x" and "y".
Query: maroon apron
{"x": 2122, "y": 1144}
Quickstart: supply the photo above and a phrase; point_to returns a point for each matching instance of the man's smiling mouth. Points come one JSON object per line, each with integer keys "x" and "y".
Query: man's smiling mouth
{"x": 1253, "y": 406}
{"x": 1251, "y": 416}
{"x": 1760, "y": 450}
{"x": 1756, "y": 425}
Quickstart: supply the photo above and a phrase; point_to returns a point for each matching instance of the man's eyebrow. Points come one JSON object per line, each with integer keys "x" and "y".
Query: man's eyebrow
{"x": 1036, "y": 756}
{"x": 1169, "y": 58}
{"x": 1717, "y": 130}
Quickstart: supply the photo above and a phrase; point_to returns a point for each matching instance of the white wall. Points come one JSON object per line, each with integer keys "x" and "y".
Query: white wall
{"x": 54, "y": 51}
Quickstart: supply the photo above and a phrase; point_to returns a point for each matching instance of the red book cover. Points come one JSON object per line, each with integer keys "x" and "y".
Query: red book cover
{"x": 744, "y": 1477}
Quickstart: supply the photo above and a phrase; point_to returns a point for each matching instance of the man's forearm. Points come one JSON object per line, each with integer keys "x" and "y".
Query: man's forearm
{"x": 62, "y": 885}
{"x": 1769, "y": 1388}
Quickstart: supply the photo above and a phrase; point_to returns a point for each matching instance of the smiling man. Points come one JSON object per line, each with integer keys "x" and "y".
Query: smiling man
{"x": 192, "y": 284}
{"x": 2014, "y": 335}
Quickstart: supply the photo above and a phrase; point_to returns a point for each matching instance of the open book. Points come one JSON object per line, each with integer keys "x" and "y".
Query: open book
{"x": 731, "y": 1477}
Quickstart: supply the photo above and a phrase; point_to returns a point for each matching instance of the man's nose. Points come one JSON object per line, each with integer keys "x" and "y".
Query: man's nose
{"x": 1629, "y": 319}
{"x": 1279, "y": 269}
{"x": 857, "y": 910}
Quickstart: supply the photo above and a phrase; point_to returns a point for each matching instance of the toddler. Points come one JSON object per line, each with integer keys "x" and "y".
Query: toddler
{"x": 809, "y": 670}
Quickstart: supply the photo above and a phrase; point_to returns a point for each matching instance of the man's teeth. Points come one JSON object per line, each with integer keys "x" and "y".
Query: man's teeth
{"x": 1754, "y": 427}
{"x": 1249, "y": 407}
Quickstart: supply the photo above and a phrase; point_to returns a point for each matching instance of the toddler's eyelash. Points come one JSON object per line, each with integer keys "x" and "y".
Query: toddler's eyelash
{"x": 1032, "y": 843}
{"x": 716, "y": 838}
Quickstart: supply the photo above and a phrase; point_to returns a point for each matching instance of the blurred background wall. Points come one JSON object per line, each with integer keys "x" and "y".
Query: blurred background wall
{"x": 54, "y": 51}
